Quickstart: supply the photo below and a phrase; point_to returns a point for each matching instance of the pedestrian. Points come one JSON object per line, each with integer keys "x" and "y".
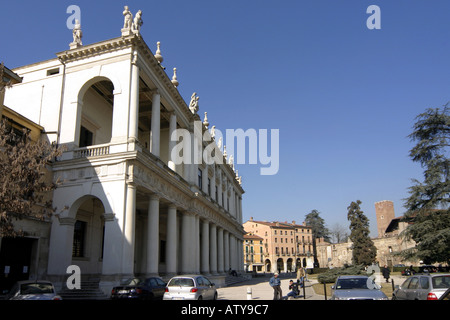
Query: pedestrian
{"x": 275, "y": 283}
{"x": 386, "y": 273}
{"x": 294, "y": 289}
{"x": 301, "y": 276}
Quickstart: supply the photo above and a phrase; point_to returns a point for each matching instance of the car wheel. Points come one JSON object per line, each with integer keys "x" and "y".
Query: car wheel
{"x": 215, "y": 296}
{"x": 200, "y": 298}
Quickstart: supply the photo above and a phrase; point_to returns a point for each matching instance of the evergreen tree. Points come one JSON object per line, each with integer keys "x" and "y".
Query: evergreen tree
{"x": 428, "y": 210}
{"x": 364, "y": 250}
{"x": 318, "y": 230}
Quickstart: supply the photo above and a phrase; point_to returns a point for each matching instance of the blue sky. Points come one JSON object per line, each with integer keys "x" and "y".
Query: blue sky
{"x": 343, "y": 97}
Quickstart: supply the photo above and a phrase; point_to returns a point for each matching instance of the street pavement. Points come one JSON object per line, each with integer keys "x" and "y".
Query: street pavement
{"x": 261, "y": 290}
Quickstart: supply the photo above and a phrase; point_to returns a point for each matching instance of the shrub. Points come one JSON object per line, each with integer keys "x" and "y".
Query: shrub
{"x": 331, "y": 275}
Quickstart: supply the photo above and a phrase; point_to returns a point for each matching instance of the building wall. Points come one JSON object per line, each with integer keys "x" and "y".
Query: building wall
{"x": 286, "y": 245}
{"x": 384, "y": 211}
{"x": 155, "y": 219}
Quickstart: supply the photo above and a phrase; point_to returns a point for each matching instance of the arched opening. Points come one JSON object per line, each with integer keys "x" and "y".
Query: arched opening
{"x": 289, "y": 265}
{"x": 280, "y": 265}
{"x": 268, "y": 265}
{"x": 88, "y": 236}
{"x": 96, "y": 117}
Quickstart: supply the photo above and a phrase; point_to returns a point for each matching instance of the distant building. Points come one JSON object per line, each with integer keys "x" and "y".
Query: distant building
{"x": 286, "y": 246}
{"x": 384, "y": 211}
{"x": 387, "y": 243}
{"x": 253, "y": 253}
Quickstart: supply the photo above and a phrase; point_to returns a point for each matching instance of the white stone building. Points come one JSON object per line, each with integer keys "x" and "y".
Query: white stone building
{"x": 124, "y": 206}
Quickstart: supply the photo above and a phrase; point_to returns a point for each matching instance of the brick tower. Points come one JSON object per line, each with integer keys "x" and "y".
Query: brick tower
{"x": 384, "y": 211}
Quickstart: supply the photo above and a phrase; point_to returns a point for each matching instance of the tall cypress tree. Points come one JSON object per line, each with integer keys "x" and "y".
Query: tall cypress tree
{"x": 428, "y": 206}
{"x": 364, "y": 250}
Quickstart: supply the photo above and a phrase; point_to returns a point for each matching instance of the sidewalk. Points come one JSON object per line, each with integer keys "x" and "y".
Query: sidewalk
{"x": 261, "y": 290}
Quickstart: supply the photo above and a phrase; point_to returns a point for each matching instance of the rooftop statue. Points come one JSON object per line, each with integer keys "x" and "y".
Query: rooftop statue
{"x": 137, "y": 23}
{"x": 130, "y": 25}
{"x": 128, "y": 18}
{"x": 193, "y": 105}
{"x": 77, "y": 35}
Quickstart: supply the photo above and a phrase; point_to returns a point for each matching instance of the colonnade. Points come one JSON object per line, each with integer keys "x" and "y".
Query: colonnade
{"x": 196, "y": 245}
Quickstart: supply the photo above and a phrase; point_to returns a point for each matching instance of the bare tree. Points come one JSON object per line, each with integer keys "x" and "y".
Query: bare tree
{"x": 339, "y": 233}
{"x": 26, "y": 184}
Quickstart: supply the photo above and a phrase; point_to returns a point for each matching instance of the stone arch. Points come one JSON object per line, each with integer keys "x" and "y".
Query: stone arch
{"x": 88, "y": 234}
{"x": 95, "y": 110}
{"x": 268, "y": 265}
{"x": 280, "y": 265}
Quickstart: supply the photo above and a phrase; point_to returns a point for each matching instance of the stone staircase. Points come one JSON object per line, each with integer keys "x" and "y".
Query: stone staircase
{"x": 89, "y": 290}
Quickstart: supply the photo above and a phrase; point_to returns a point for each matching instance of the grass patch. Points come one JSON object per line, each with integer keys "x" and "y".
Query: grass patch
{"x": 319, "y": 289}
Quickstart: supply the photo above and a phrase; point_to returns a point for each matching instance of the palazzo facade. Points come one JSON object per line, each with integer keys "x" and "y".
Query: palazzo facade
{"x": 124, "y": 205}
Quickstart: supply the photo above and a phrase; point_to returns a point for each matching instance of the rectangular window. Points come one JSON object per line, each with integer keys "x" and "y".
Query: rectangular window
{"x": 86, "y": 137}
{"x": 52, "y": 72}
{"x": 200, "y": 178}
{"x": 209, "y": 186}
{"x": 79, "y": 234}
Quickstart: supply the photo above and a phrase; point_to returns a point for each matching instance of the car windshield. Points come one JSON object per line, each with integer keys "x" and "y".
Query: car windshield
{"x": 181, "y": 282}
{"x": 354, "y": 283}
{"x": 441, "y": 282}
{"x": 36, "y": 288}
{"x": 134, "y": 282}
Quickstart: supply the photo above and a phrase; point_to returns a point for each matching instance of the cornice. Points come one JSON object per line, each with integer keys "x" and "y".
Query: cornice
{"x": 95, "y": 49}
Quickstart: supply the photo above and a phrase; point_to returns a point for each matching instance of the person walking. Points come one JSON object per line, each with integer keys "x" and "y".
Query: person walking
{"x": 275, "y": 283}
{"x": 300, "y": 276}
{"x": 386, "y": 273}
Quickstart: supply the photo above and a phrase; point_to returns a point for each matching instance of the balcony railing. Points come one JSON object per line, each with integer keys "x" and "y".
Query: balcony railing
{"x": 91, "y": 151}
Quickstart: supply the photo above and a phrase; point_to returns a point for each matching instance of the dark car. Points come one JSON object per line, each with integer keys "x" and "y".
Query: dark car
{"x": 140, "y": 288}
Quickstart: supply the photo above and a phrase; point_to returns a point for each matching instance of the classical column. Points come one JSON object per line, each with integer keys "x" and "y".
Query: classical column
{"x": 128, "y": 240}
{"x": 220, "y": 251}
{"x": 213, "y": 249}
{"x": 156, "y": 119}
{"x": 205, "y": 247}
{"x": 226, "y": 240}
{"x": 196, "y": 235}
{"x": 153, "y": 235}
{"x": 172, "y": 143}
{"x": 171, "y": 242}
{"x": 187, "y": 244}
{"x": 233, "y": 252}
{"x": 134, "y": 99}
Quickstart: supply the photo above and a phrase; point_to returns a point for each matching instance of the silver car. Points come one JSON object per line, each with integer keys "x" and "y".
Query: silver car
{"x": 423, "y": 287}
{"x": 190, "y": 287}
{"x": 33, "y": 290}
{"x": 356, "y": 288}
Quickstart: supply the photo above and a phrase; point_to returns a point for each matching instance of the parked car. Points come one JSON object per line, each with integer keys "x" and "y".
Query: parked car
{"x": 356, "y": 288}
{"x": 33, "y": 290}
{"x": 422, "y": 287}
{"x": 446, "y": 295}
{"x": 140, "y": 288}
{"x": 190, "y": 287}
